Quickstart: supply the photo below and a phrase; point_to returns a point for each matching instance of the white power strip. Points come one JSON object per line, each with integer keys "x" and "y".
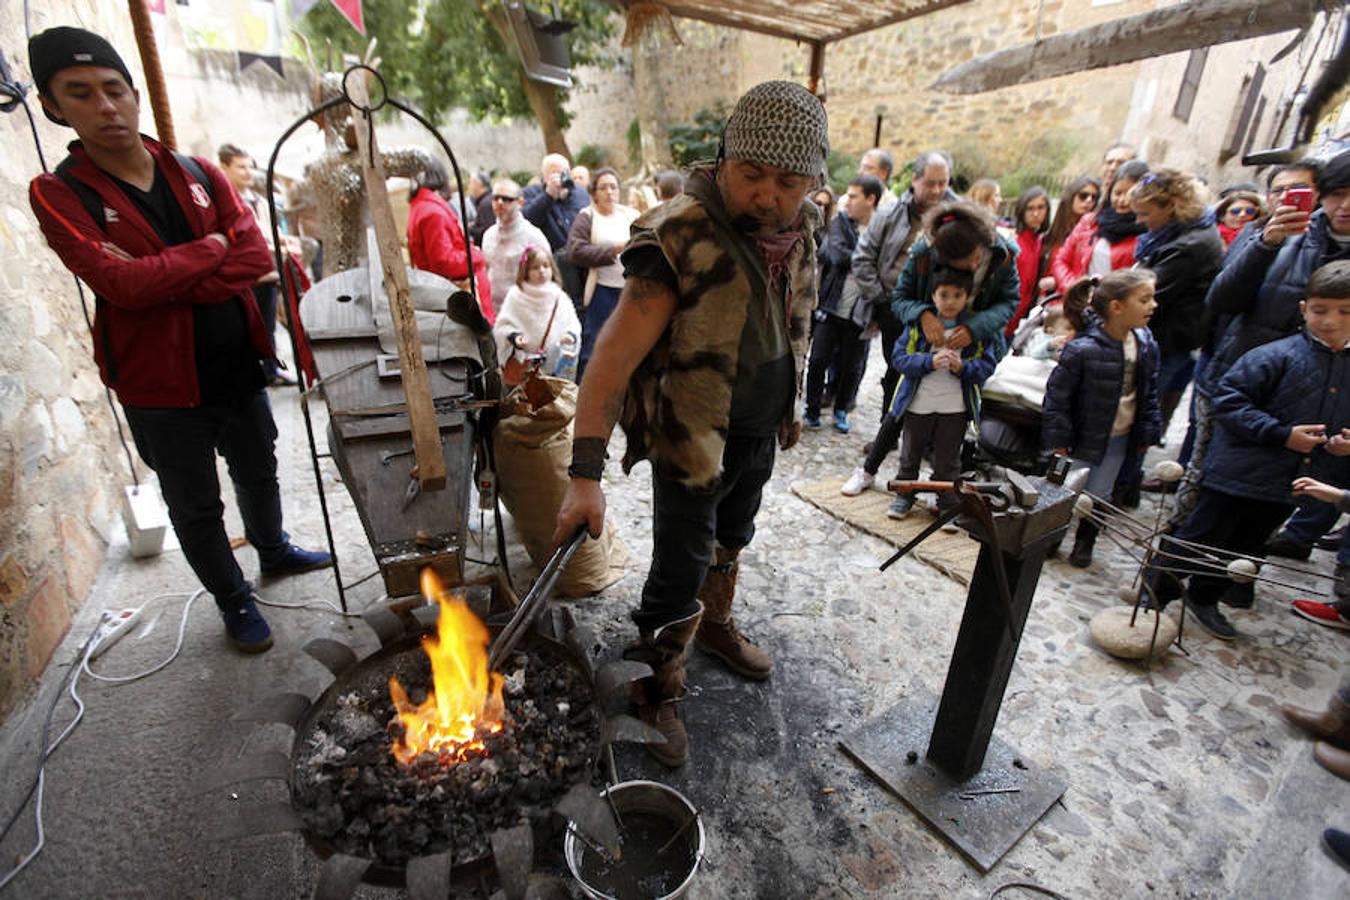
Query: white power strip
{"x": 115, "y": 624}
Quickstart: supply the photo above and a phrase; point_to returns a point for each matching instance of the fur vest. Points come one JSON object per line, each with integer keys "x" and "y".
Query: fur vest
{"x": 677, "y": 409}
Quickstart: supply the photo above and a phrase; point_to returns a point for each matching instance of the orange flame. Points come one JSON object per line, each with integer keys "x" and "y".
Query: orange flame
{"x": 466, "y": 700}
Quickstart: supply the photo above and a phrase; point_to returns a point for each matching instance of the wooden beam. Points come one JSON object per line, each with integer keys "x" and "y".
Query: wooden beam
{"x": 817, "y": 66}
{"x": 1185, "y": 26}
{"x": 931, "y": 7}
{"x": 426, "y": 434}
{"x": 731, "y": 20}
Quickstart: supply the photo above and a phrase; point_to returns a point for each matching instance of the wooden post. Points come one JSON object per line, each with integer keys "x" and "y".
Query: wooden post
{"x": 426, "y": 435}
{"x": 1170, "y": 29}
{"x": 817, "y": 67}
{"x": 154, "y": 73}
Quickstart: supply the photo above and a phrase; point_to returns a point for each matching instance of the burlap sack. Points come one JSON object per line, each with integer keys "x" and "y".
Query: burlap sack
{"x": 533, "y": 443}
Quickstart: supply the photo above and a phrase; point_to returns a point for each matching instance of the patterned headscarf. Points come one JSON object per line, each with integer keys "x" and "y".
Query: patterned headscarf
{"x": 779, "y": 123}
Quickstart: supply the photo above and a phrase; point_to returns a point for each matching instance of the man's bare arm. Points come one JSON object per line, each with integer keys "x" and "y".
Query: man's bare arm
{"x": 645, "y": 309}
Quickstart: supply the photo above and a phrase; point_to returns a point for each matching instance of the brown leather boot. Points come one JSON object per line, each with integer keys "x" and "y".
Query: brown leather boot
{"x": 1331, "y": 724}
{"x": 1333, "y": 759}
{"x": 656, "y": 699}
{"x": 718, "y": 634}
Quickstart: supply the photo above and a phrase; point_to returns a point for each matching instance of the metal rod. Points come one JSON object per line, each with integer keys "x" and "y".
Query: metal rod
{"x": 682, "y": 829}
{"x": 535, "y": 601}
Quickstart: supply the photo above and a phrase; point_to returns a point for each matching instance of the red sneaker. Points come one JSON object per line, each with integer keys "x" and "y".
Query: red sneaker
{"x": 1322, "y": 614}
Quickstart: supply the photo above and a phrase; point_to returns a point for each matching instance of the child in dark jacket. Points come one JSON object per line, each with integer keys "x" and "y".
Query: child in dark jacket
{"x": 937, "y": 395}
{"x": 1101, "y": 402}
{"x": 1281, "y": 413}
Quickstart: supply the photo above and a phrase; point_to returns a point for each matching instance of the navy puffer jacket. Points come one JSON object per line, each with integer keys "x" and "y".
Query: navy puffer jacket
{"x": 1084, "y": 390}
{"x": 1262, "y": 287}
{"x": 1293, "y": 381}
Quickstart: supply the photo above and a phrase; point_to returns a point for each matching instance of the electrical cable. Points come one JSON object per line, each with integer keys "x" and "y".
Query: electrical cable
{"x": 322, "y": 605}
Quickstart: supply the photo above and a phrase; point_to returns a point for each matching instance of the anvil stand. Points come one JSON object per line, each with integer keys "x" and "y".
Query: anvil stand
{"x": 971, "y": 786}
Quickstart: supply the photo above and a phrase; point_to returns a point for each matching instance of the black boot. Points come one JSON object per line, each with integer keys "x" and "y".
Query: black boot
{"x": 1084, "y": 539}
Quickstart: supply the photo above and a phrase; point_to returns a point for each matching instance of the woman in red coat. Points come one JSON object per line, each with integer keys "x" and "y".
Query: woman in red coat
{"x": 1102, "y": 241}
{"x": 1031, "y": 216}
{"x": 436, "y": 240}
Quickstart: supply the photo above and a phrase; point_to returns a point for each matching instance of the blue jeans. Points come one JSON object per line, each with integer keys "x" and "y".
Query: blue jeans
{"x": 1313, "y": 519}
{"x": 593, "y": 318}
{"x": 180, "y": 445}
{"x": 1102, "y": 477}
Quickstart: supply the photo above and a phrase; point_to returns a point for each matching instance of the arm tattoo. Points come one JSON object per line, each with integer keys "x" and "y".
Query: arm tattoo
{"x": 614, "y": 406}
{"x": 639, "y": 290}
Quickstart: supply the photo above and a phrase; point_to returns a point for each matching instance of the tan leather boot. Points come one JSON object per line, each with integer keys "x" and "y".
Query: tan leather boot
{"x": 718, "y": 634}
{"x": 656, "y": 699}
{"x": 1333, "y": 759}
{"x": 1331, "y": 724}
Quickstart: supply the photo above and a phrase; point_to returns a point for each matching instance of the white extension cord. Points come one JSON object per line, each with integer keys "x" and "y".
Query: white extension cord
{"x": 112, "y": 625}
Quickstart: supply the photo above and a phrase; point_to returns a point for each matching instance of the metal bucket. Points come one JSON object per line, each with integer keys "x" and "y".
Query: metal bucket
{"x": 654, "y": 815}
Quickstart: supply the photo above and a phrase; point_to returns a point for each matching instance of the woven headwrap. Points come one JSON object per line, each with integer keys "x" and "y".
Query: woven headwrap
{"x": 779, "y": 123}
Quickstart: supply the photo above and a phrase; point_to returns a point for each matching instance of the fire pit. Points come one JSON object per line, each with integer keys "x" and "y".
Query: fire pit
{"x": 417, "y": 760}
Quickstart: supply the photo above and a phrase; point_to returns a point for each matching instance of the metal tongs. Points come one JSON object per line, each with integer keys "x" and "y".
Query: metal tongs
{"x": 990, "y": 491}
{"x": 535, "y": 601}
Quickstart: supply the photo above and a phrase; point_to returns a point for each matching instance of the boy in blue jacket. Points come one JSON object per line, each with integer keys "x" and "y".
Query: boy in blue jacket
{"x": 938, "y": 392}
{"x": 1281, "y": 412}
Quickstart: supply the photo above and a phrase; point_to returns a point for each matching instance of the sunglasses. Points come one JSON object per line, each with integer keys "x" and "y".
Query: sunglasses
{"x": 1242, "y": 210}
{"x": 503, "y": 198}
{"x": 1088, "y": 195}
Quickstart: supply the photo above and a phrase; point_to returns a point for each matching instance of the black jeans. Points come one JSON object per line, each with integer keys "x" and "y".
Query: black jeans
{"x": 891, "y": 331}
{"x": 834, "y": 345}
{"x": 266, "y": 295}
{"x": 940, "y": 432}
{"x": 180, "y": 445}
{"x": 1228, "y": 522}
{"x": 685, "y": 524}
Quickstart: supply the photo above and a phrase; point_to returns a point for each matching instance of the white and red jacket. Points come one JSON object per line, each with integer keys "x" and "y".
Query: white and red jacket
{"x": 143, "y": 328}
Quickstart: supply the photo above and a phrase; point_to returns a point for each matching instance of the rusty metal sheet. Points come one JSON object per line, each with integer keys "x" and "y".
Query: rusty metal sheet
{"x": 591, "y": 815}
{"x": 427, "y": 616}
{"x": 983, "y": 816}
{"x": 617, "y": 675}
{"x": 254, "y": 767}
{"x": 287, "y": 709}
{"x": 429, "y": 876}
{"x": 387, "y": 626}
{"x": 335, "y": 656}
{"x": 259, "y": 818}
{"x": 339, "y": 877}
{"x": 629, "y": 730}
{"x": 582, "y": 641}
{"x": 513, "y": 854}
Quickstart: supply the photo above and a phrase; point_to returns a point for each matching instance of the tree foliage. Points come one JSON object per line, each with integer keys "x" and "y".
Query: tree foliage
{"x": 442, "y": 54}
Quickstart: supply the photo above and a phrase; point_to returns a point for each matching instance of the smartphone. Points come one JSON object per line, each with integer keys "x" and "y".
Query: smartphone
{"x": 1299, "y": 198}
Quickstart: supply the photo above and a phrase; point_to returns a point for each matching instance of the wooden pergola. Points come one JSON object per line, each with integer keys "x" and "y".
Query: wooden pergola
{"x": 811, "y": 22}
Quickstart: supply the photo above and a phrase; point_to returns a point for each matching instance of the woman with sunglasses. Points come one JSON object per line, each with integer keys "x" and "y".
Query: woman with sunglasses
{"x": 1079, "y": 199}
{"x": 1104, "y": 240}
{"x": 1235, "y": 211}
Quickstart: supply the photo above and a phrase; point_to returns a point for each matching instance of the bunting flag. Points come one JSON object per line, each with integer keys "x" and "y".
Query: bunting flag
{"x": 351, "y": 11}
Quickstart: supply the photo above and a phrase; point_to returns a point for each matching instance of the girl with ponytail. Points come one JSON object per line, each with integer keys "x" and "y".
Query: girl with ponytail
{"x": 1101, "y": 402}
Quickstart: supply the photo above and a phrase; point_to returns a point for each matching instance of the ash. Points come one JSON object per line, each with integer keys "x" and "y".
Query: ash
{"x": 353, "y": 793}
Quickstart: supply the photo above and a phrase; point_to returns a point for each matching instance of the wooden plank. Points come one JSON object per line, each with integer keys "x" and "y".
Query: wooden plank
{"x": 426, "y": 436}
{"x": 1185, "y": 26}
{"x": 363, "y": 429}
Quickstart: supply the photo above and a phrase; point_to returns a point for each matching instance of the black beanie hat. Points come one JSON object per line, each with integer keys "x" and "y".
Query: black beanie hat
{"x": 1335, "y": 174}
{"x": 64, "y": 48}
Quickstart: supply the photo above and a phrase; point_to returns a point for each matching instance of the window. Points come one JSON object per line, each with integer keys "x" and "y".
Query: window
{"x": 1256, "y": 125}
{"x": 1244, "y": 113}
{"x": 1190, "y": 84}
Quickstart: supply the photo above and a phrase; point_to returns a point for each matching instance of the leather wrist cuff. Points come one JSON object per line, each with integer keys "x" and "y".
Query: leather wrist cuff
{"x": 588, "y": 458}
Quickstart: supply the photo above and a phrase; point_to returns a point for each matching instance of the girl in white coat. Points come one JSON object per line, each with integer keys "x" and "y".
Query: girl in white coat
{"x": 537, "y": 319}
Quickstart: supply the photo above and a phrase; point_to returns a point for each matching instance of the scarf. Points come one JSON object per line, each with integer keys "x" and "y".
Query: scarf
{"x": 1154, "y": 241}
{"x": 1115, "y": 227}
{"x": 775, "y": 251}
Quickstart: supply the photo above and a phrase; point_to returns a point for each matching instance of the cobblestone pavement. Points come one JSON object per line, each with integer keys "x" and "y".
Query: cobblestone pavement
{"x": 1183, "y": 781}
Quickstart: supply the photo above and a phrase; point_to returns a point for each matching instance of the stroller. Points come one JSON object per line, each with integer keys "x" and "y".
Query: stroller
{"x": 1009, "y": 434}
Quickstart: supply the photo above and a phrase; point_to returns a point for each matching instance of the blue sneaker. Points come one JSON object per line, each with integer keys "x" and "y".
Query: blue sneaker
{"x": 900, "y": 506}
{"x": 810, "y": 421}
{"x": 293, "y": 560}
{"x": 841, "y": 421}
{"x": 246, "y": 628}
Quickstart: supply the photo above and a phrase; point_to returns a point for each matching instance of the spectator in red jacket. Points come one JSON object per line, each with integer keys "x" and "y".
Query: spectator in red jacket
{"x": 1031, "y": 218}
{"x": 171, "y": 254}
{"x": 1102, "y": 241}
{"x": 436, "y": 240}
{"x": 1079, "y": 199}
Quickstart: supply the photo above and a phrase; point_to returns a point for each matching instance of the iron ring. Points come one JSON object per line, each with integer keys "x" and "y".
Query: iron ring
{"x": 384, "y": 90}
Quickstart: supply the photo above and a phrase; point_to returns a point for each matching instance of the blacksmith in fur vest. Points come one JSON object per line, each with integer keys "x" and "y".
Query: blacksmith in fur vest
{"x": 702, "y": 364}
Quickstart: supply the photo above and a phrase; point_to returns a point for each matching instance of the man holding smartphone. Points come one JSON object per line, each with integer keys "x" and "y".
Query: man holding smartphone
{"x": 1259, "y": 289}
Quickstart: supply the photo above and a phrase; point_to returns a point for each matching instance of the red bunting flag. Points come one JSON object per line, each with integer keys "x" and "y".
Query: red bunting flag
{"x": 351, "y": 11}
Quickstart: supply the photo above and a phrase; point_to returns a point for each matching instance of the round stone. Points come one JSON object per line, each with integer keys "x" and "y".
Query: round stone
{"x": 1243, "y": 571}
{"x": 1112, "y": 631}
{"x": 1128, "y": 592}
{"x": 1168, "y": 471}
{"x": 1083, "y": 505}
